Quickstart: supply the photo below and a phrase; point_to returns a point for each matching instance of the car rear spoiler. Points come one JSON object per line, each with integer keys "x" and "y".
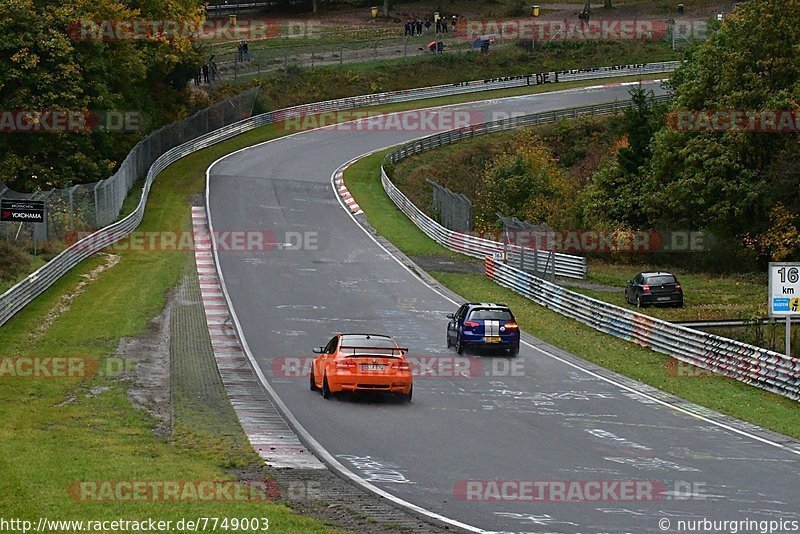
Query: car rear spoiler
{"x": 378, "y": 350}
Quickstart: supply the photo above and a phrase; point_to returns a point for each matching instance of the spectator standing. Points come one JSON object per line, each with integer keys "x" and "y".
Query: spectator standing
{"x": 245, "y": 52}
{"x": 205, "y": 73}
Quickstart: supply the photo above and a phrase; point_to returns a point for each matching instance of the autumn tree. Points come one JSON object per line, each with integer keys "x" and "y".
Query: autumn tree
{"x": 46, "y": 68}
{"x": 723, "y": 180}
{"x": 526, "y": 182}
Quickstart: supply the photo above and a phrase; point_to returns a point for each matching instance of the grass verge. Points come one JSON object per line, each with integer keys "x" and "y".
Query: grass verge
{"x": 58, "y": 431}
{"x": 719, "y": 393}
{"x": 707, "y": 297}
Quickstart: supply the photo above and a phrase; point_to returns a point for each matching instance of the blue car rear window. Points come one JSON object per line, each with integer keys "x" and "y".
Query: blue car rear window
{"x": 491, "y": 315}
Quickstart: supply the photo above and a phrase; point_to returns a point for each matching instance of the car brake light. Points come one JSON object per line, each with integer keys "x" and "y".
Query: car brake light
{"x": 646, "y": 288}
{"x": 678, "y": 287}
{"x": 345, "y": 366}
{"x": 510, "y": 325}
{"x": 403, "y": 366}
{"x": 471, "y": 324}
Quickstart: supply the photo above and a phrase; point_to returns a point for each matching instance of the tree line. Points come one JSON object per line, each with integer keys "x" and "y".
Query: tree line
{"x": 47, "y": 67}
{"x": 740, "y": 185}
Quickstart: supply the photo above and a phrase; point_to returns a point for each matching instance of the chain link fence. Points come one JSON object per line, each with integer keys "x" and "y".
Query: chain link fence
{"x": 86, "y": 207}
{"x": 233, "y": 67}
{"x": 451, "y": 210}
{"x": 265, "y": 55}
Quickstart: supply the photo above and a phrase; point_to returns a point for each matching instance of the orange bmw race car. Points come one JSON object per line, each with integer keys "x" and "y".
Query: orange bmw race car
{"x": 361, "y": 362}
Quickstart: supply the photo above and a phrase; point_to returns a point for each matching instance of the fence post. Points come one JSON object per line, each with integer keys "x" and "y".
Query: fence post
{"x": 672, "y": 31}
{"x": 71, "y": 209}
{"x": 97, "y": 206}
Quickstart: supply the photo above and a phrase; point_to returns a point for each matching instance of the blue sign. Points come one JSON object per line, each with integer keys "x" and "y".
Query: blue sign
{"x": 780, "y": 304}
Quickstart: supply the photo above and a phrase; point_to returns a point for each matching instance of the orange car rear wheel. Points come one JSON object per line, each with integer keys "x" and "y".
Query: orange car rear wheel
{"x": 326, "y": 390}
{"x": 312, "y": 384}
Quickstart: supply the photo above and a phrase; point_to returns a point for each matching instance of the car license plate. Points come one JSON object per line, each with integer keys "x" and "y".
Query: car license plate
{"x": 492, "y": 339}
{"x": 662, "y": 298}
{"x": 372, "y": 367}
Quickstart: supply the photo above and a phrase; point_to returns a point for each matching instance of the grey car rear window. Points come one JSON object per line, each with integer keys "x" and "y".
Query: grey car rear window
{"x": 660, "y": 279}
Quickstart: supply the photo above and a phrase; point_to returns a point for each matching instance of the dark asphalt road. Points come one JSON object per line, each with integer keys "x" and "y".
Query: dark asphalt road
{"x": 548, "y": 421}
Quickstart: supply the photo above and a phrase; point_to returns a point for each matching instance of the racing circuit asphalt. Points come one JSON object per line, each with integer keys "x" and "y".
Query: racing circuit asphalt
{"x": 550, "y": 422}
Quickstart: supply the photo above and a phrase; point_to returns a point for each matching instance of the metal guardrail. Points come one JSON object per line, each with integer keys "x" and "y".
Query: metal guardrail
{"x": 752, "y": 365}
{"x": 566, "y": 265}
{"x": 734, "y": 323}
{"x": 21, "y": 294}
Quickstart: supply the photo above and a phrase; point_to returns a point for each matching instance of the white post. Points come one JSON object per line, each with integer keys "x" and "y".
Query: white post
{"x": 788, "y": 335}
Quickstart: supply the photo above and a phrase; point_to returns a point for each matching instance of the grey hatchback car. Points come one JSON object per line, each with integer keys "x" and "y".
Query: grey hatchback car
{"x": 654, "y": 288}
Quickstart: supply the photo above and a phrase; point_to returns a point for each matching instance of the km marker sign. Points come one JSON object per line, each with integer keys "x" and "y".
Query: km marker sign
{"x": 22, "y": 210}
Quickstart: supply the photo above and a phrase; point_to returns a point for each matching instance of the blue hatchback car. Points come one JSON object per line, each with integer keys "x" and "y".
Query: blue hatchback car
{"x": 483, "y": 325}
